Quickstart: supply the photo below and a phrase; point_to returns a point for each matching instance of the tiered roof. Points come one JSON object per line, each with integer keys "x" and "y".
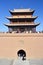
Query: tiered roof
{"x": 20, "y": 16}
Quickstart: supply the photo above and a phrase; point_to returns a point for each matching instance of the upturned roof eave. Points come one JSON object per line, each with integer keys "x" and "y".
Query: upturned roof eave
{"x": 11, "y": 18}
{"x": 31, "y": 11}
{"x": 10, "y": 25}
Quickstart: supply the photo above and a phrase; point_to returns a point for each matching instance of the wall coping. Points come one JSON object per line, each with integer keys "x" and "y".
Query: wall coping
{"x": 21, "y": 34}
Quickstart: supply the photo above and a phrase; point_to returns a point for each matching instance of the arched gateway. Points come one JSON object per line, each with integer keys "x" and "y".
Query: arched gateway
{"x": 21, "y": 53}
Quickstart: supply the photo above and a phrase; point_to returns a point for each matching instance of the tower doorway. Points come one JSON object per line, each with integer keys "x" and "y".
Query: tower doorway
{"x": 22, "y": 53}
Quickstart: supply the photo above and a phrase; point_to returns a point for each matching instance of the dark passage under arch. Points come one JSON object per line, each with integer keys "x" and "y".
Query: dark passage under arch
{"x": 21, "y": 53}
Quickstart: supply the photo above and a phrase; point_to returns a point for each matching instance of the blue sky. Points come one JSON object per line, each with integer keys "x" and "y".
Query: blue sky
{"x": 5, "y": 5}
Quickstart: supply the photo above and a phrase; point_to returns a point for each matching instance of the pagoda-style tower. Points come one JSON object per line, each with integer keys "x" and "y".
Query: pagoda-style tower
{"x": 22, "y": 21}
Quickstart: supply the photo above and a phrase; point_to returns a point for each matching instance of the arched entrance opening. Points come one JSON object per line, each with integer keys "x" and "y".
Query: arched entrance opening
{"x": 22, "y": 53}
